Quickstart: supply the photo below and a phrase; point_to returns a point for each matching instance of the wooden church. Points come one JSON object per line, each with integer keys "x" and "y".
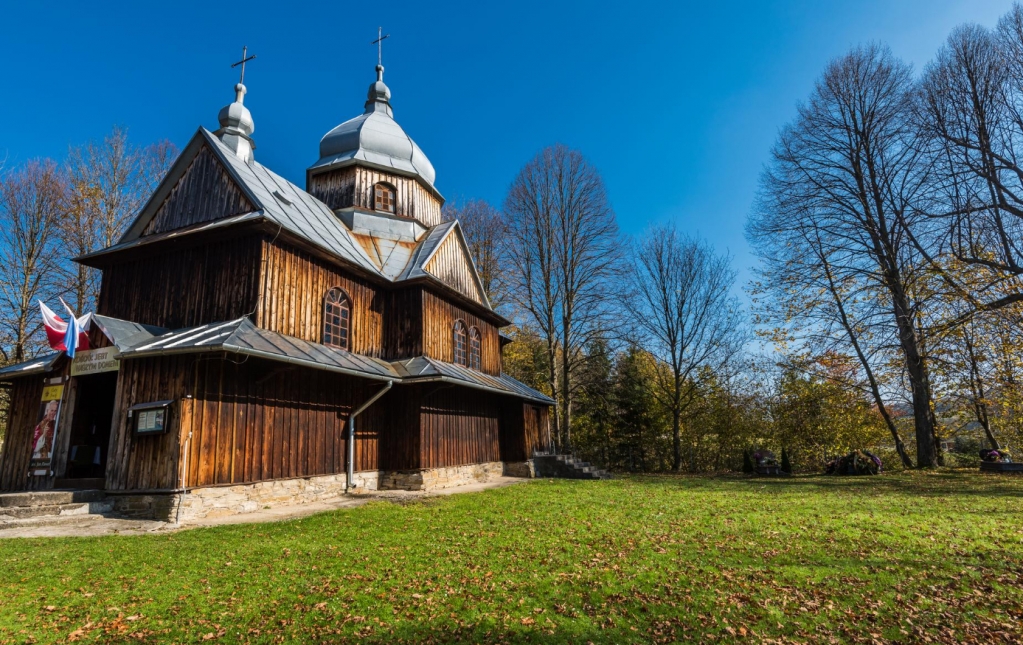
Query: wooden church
{"x": 257, "y": 343}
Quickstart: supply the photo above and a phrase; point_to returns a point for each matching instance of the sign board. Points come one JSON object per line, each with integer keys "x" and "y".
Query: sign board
{"x": 95, "y": 361}
{"x": 151, "y": 418}
{"x": 46, "y": 428}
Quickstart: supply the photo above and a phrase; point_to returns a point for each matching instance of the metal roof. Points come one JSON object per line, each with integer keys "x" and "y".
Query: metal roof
{"x": 274, "y": 198}
{"x": 425, "y": 250}
{"x": 374, "y": 138}
{"x": 241, "y": 336}
{"x": 38, "y": 365}
{"x": 124, "y": 333}
{"x": 428, "y": 247}
{"x": 423, "y": 368}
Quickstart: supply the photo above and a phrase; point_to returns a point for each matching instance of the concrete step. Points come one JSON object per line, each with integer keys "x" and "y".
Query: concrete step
{"x": 50, "y": 497}
{"x": 567, "y": 467}
{"x": 56, "y": 510}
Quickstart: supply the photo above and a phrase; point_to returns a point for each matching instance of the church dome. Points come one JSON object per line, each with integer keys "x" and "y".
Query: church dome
{"x": 374, "y": 138}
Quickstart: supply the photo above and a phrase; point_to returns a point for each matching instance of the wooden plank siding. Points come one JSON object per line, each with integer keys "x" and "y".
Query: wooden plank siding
{"x": 292, "y": 288}
{"x": 259, "y": 420}
{"x": 459, "y": 427}
{"x": 25, "y": 394}
{"x": 182, "y": 287}
{"x": 452, "y": 266}
{"x": 353, "y": 186}
{"x": 439, "y": 318}
{"x": 205, "y": 192}
{"x": 147, "y": 462}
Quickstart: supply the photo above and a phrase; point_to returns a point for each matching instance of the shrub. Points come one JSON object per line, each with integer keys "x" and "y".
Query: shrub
{"x": 747, "y": 463}
{"x": 857, "y": 462}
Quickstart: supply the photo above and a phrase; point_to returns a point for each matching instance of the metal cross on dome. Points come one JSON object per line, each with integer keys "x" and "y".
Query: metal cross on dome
{"x": 245, "y": 50}
{"x": 379, "y": 42}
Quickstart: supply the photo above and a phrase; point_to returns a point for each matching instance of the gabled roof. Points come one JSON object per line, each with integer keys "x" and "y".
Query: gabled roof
{"x": 276, "y": 199}
{"x": 427, "y": 249}
{"x": 282, "y": 204}
{"x": 124, "y": 333}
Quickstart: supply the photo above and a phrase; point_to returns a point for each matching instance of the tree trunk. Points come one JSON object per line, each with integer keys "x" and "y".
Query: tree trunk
{"x": 916, "y": 369}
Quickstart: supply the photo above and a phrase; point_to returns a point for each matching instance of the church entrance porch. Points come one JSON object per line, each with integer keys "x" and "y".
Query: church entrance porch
{"x": 89, "y": 432}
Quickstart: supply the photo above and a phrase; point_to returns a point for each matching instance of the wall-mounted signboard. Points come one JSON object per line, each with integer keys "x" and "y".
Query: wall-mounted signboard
{"x": 150, "y": 418}
{"x": 95, "y": 361}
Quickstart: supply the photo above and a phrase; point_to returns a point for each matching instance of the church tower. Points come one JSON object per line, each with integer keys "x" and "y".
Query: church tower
{"x": 369, "y": 167}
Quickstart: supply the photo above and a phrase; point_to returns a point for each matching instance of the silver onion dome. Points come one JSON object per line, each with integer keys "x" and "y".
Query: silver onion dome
{"x": 375, "y": 138}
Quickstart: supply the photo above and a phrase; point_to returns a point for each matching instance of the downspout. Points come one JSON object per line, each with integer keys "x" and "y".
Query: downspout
{"x": 184, "y": 474}
{"x": 351, "y": 434}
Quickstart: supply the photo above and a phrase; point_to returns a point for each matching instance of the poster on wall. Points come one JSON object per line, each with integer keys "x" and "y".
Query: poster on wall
{"x": 45, "y": 430}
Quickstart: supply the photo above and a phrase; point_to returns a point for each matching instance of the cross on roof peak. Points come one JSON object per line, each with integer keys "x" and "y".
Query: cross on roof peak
{"x": 379, "y": 42}
{"x": 245, "y": 51}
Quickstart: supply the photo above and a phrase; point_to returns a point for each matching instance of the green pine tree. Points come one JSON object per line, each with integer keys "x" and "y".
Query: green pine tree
{"x": 786, "y": 466}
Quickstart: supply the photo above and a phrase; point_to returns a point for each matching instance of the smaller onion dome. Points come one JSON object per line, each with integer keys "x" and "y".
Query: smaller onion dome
{"x": 236, "y": 126}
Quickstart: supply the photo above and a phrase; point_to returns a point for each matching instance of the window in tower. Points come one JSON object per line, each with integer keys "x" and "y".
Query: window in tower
{"x": 383, "y": 198}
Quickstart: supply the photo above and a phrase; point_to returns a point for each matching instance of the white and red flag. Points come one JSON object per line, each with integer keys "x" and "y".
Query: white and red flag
{"x": 57, "y": 329}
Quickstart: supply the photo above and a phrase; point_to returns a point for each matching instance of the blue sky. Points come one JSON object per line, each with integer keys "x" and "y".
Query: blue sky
{"x": 677, "y": 103}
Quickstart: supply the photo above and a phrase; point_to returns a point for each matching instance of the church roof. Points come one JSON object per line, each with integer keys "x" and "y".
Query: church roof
{"x": 425, "y": 369}
{"x": 374, "y": 138}
{"x": 275, "y": 198}
{"x": 242, "y": 337}
{"x": 38, "y": 365}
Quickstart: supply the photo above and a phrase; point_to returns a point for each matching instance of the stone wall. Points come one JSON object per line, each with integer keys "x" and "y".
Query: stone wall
{"x": 218, "y": 501}
{"x": 437, "y": 478}
{"x": 519, "y": 469}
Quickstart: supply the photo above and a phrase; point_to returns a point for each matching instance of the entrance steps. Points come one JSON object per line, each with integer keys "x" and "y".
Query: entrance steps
{"x": 44, "y": 506}
{"x": 567, "y": 467}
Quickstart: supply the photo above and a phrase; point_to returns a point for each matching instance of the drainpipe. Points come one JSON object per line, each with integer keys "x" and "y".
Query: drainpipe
{"x": 351, "y": 434}
{"x": 184, "y": 474}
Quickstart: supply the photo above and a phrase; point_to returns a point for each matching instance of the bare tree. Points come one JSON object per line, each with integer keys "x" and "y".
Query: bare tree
{"x": 485, "y": 232}
{"x": 563, "y": 254}
{"x": 109, "y": 183}
{"x": 843, "y": 184}
{"x": 32, "y": 202}
{"x": 683, "y": 306}
{"x": 970, "y": 118}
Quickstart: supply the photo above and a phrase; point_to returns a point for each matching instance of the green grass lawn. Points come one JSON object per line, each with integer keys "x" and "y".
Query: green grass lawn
{"x": 898, "y": 558}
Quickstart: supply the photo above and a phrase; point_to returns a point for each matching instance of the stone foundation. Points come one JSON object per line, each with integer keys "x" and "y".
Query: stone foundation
{"x": 437, "y": 478}
{"x": 218, "y": 501}
{"x": 520, "y": 469}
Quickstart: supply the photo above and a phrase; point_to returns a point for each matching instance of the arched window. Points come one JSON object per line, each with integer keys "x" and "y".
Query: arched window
{"x": 474, "y": 348}
{"x": 383, "y": 198}
{"x": 337, "y": 317}
{"x": 461, "y": 343}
